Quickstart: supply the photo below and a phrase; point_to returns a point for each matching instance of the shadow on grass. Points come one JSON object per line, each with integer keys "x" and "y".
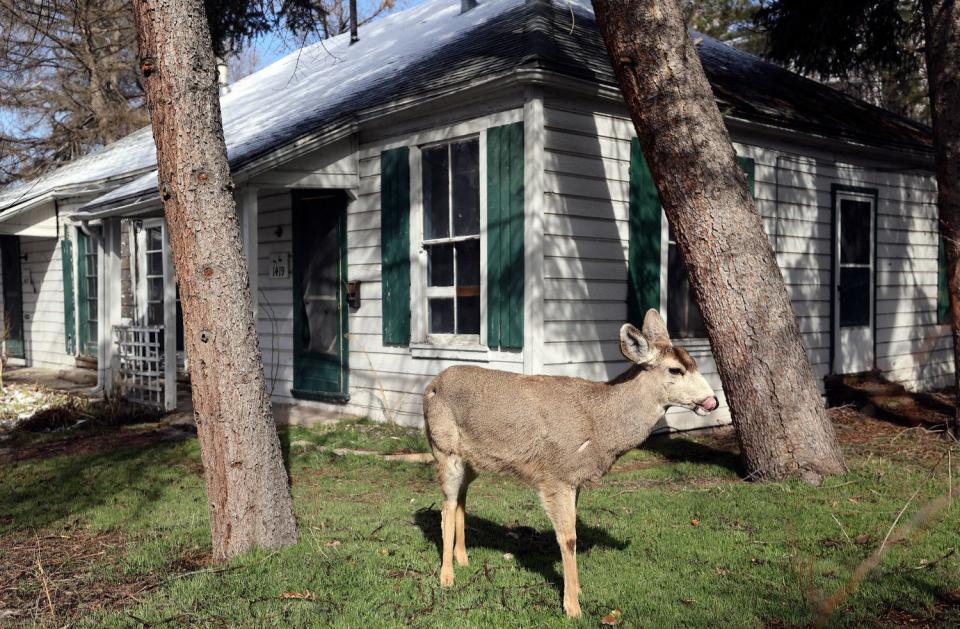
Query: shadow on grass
{"x": 682, "y": 450}
{"x": 535, "y": 550}
{"x": 60, "y": 487}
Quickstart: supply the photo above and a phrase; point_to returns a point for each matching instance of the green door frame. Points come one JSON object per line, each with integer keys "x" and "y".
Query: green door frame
{"x": 88, "y": 341}
{"x": 12, "y": 292}
{"x": 310, "y": 370}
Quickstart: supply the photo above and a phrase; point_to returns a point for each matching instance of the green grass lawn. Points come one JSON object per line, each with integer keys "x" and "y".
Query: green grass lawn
{"x": 118, "y": 537}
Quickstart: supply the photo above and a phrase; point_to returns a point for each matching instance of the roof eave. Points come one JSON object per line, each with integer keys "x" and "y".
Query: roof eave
{"x": 899, "y": 153}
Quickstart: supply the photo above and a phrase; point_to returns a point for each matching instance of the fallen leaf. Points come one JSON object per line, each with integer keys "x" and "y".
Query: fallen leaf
{"x": 306, "y": 595}
{"x": 386, "y": 552}
{"x": 862, "y": 539}
{"x": 688, "y": 601}
{"x": 332, "y": 543}
{"x": 612, "y": 619}
{"x": 695, "y": 522}
{"x": 722, "y": 571}
{"x": 508, "y": 556}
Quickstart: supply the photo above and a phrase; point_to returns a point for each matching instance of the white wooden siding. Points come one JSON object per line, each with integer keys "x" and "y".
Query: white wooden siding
{"x": 585, "y": 179}
{"x": 386, "y": 382}
{"x": 42, "y": 277}
{"x": 587, "y": 161}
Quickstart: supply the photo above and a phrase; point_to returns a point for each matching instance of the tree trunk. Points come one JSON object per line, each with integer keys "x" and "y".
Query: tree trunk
{"x": 247, "y": 489}
{"x": 942, "y": 33}
{"x": 777, "y": 409}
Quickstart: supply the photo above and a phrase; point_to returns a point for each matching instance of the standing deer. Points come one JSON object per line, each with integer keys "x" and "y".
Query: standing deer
{"x": 553, "y": 433}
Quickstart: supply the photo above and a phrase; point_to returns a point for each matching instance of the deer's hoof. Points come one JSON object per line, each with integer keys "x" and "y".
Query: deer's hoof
{"x": 572, "y": 608}
{"x": 446, "y": 577}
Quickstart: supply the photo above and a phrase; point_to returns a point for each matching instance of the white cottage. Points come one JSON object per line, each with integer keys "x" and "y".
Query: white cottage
{"x": 466, "y": 186}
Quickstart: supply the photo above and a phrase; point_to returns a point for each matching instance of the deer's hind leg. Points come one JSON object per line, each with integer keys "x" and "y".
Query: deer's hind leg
{"x": 453, "y": 481}
{"x": 560, "y": 503}
{"x": 460, "y": 545}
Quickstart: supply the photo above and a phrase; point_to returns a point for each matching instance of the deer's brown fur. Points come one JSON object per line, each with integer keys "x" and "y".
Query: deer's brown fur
{"x": 554, "y": 433}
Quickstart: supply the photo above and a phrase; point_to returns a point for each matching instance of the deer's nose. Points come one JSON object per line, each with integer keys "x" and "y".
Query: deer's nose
{"x": 710, "y": 404}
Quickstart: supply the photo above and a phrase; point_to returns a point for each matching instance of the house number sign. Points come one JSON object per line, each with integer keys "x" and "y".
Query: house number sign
{"x": 280, "y": 266}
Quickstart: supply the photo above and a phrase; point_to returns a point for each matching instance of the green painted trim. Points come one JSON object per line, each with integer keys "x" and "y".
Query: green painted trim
{"x": 86, "y": 346}
{"x": 305, "y": 366}
{"x": 395, "y": 244}
{"x": 344, "y": 308}
{"x": 749, "y": 167}
{"x": 505, "y": 238}
{"x": 69, "y": 302}
{"x": 320, "y": 396}
{"x": 943, "y": 288}
{"x": 12, "y": 292}
{"x": 643, "y": 253}
{"x": 643, "y": 263}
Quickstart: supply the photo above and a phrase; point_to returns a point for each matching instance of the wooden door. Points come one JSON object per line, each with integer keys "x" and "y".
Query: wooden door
{"x": 853, "y": 281}
{"x": 12, "y": 295}
{"x": 320, "y": 368}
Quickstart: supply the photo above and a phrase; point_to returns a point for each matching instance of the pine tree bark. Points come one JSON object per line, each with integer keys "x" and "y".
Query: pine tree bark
{"x": 776, "y": 407}
{"x": 942, "y": 33}
{"x": 247, "y": 488}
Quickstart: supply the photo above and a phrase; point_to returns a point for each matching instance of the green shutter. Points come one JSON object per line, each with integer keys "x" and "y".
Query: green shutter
{"x": 505, "y": 236}
{"x": 943, "y": 289}
{"x": 748, "y": 166}
{"x": 395, "y": 244}
{"x": 643, "y": 269}
{"x": 69, "y": 320}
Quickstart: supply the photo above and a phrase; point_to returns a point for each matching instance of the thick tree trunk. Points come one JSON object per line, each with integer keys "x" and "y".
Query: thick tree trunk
{"x": 249, "y": 498}
{"x": 942, "y": 30}
{"x": 776, "y": 407}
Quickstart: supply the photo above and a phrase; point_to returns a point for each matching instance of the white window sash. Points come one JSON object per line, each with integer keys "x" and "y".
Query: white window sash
{"x": 420, "y": 293}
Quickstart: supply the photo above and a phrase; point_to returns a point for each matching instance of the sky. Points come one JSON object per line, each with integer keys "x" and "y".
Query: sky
{"x": 275, "y": 45}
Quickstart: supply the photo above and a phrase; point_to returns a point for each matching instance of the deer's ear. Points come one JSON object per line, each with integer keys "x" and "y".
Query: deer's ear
{"x": 634, "y": 345}
{"x": 655, "y": 329}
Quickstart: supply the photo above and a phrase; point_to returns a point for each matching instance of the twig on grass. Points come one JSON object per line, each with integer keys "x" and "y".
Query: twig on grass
{"x": 204, "y": 570}
{"x": 45, "y": 583}
{"x": 929, "y": 564}
{"x": 46, "y": 588}
{"x": 919, "y": 522}
{"x": 897, "y": 519}
{"x": 842, "y": 530}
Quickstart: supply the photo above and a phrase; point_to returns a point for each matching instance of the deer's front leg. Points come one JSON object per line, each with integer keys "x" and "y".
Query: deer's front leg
{"x": 560, "y": 503}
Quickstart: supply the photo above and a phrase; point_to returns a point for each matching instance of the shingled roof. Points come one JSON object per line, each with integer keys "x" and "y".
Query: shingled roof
{"x": 433, "y": 48}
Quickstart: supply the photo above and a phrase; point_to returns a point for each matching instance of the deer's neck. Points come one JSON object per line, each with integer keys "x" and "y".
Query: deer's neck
{"x": 629, "y": 411}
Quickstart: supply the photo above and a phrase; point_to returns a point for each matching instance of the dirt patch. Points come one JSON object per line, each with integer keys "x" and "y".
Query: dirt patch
{"x": 52, "y": 578}
{"x": 867, "y": 436}
{"x": 81, "y": 443}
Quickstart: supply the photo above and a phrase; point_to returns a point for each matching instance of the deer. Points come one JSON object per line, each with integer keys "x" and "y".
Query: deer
{"x": 554, "y": 433}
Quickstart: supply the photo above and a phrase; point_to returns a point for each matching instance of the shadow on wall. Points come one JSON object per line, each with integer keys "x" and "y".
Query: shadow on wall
{"x": 586, "y": 234}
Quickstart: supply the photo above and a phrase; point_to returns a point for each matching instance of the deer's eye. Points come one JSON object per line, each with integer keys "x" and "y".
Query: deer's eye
{"x": 676, "y": 371}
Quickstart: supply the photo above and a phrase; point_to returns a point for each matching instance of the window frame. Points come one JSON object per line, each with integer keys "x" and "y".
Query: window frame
{"x": 420, "y": 337}
{"x": 693, "y": 343}
{"x": 140, "y": 277}
{"x": 83, "y": 294}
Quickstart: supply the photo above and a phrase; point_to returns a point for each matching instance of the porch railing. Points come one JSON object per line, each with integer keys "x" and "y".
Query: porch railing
{"x": 140, "y": 367}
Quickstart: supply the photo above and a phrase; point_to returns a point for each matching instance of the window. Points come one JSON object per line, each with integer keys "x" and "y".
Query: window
{"x": 855, "y": 270}
{"x": 451, "y": 238}
{"x": 151, "y": 262}
{"x": 683, "y": 314}
{"x": 87, "y": 263}
{"x": 153, "y": 276}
